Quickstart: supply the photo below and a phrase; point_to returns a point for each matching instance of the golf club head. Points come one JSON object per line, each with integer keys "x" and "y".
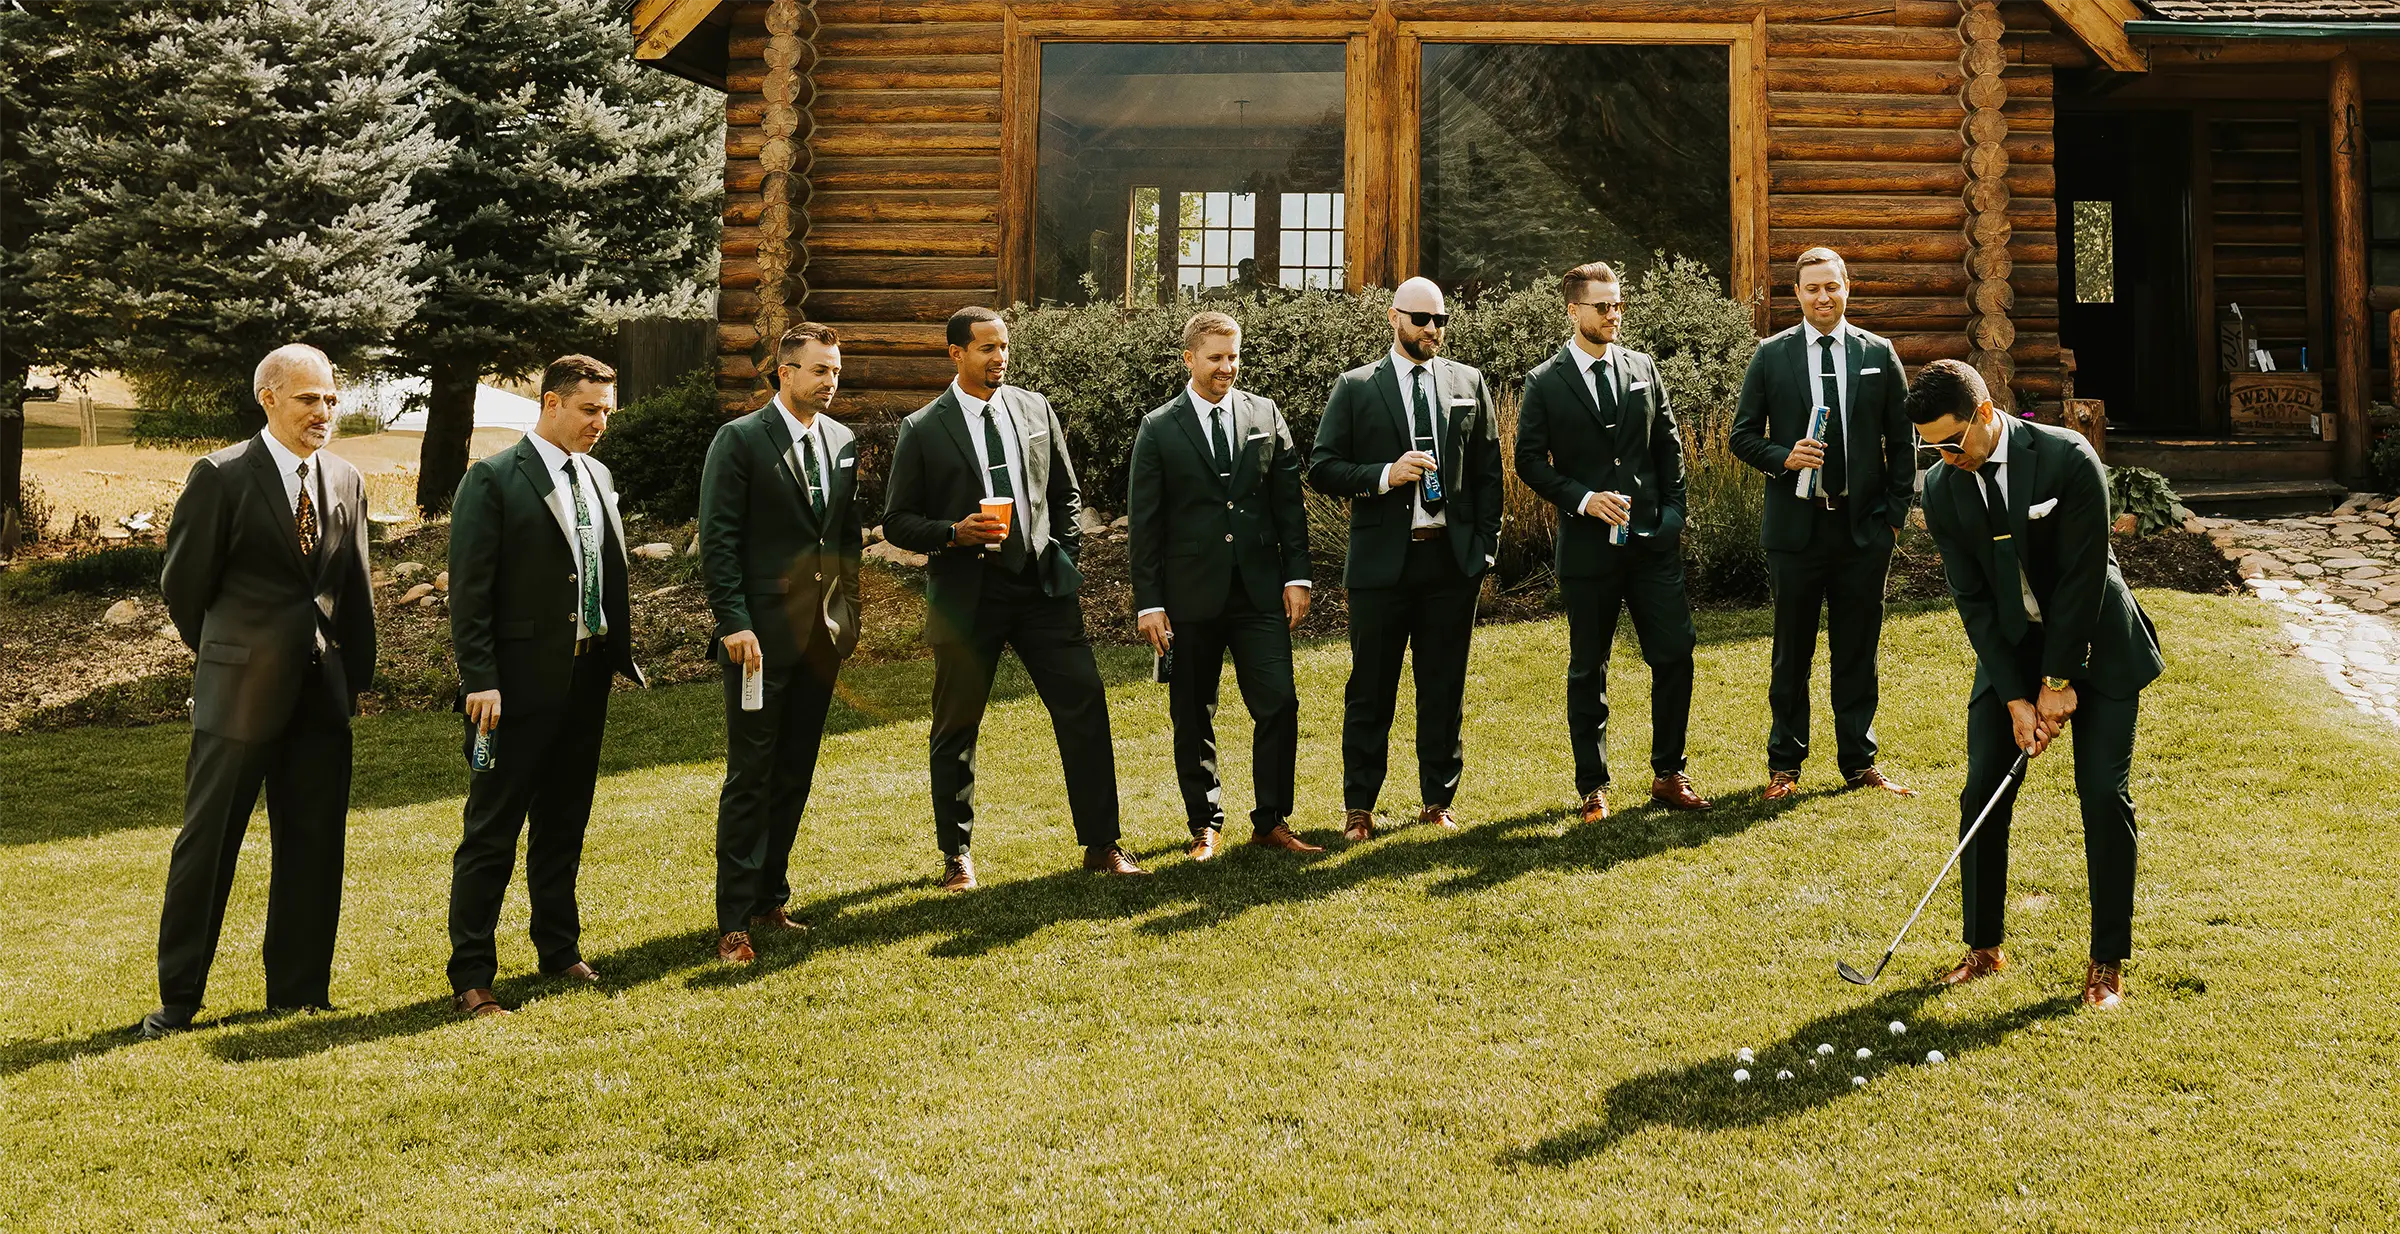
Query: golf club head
{"x": 1851, "y": 975}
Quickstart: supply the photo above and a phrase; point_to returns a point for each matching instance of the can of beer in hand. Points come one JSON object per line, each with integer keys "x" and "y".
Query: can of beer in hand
{"x": 754, "y": 686}
{"x": 1433, "y": 484}
{"x": 1811, "y": 482}
{"x": 483, "y": 753}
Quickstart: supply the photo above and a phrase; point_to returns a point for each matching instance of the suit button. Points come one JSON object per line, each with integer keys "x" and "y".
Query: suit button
{"x": 1229, "y": 537}
{"x": 1619, "y": 462}
{"x": 1228, "y": 505}
{"x": 820, "y": 578}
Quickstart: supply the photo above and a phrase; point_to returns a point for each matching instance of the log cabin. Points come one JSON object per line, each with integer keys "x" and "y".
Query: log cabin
{"x": 2175, "y": 220}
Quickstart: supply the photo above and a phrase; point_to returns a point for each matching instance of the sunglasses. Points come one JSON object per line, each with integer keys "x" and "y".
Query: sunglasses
{"x": 1606, "y": 308}
{"x": 1947, "y": 449}
{"x": 1420, "y": 320}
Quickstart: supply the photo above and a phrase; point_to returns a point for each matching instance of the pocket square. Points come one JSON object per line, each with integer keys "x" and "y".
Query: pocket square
{"x": 848, "y": 462}
{"x": 1256, "y": 434}
{"x": 1869, "y": 372}
{"x": 1639, "y": 385}
{"x": 2042, "y": 510}
{"x": 1462, "y": 402}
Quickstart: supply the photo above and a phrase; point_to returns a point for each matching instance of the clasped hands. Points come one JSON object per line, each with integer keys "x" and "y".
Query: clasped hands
{"x": 2036, "y": 723}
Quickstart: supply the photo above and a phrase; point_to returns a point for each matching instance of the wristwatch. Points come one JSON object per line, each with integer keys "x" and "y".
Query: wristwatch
{"x": 2054, "y": 683}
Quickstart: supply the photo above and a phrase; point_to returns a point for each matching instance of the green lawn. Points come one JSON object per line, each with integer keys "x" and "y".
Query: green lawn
{"x": 1526, "y": 1025}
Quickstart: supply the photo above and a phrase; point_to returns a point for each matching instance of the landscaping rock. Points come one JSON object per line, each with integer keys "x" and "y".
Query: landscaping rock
{"x": 441, "y": 582}
{"x": 1090, "y": 521}
{"x": 2308, "y": 569}
{"x": 416, "y": 593}
{"x": 656, "y": 551}
{"x": 407, "y": 570}
{"x": 123, "y": 613}
{"x": 892, "y": 554}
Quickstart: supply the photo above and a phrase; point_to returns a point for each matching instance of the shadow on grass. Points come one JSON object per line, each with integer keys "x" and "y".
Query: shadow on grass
{"x": 1704, "y": 1097}
{"x": 21, "y": 1056}
{"x": 95, "y": 781}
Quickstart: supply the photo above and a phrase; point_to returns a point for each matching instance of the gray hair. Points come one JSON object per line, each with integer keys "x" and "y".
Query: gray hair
{"x": 282, "y": 363}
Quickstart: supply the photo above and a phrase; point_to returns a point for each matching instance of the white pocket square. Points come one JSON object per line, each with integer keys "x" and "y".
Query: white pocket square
{"x": 1869, "y": 372}
{"x": 2043, "y": 510}
{"x": 1256, "y": 435}
{"x": 1462, "y": 402}
{"x": 849, "y": 462}
{"x": 1639, "y": 385}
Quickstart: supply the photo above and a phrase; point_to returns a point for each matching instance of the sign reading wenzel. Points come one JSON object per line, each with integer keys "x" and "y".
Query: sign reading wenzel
{"x": 2278, "y": 404}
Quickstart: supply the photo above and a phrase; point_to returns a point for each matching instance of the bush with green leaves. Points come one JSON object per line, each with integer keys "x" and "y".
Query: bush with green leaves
{"x": 654, "y": 448}
{"x": 2145, "y": 495}
{"x": 123, "y": 570}
{"x": 2386, "y": 461}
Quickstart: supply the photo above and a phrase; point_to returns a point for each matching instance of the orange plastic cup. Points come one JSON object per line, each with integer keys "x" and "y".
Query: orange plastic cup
{"x": 1006, "y": 509}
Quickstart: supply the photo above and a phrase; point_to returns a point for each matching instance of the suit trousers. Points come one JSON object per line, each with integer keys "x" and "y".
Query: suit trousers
{"x": 1261, "y": 643}
{"x": 305, "y": 772}
{"x": 1048, "y": 636}
{"x": 1430, "y": 615}
{"x": 1647, "y": 582}
{"x": 770, "y": 763}
{"x": 1835, "y": 579}
{"x": 2103, "y": 732}
{"x": 548, "y": 764}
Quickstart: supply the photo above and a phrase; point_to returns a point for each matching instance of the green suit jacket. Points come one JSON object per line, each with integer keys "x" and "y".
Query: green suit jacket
{"x": 1189, "y": 533}
{"x": 2093, "y": 631}
{"x": 772, "y": 566}
{"x": 514, "y": 589}
{"x": 1565, "y": 452}
{"x": 936, "y": 482}
{"x": 1366, "y": 426}
{"x": 1779, "y": 392}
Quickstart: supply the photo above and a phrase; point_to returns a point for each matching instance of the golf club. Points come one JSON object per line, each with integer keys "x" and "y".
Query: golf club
{"x": 2016, "y": 772}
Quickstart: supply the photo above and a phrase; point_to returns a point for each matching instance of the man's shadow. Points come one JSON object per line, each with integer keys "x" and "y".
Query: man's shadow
{"x": 1704, "y": 1096}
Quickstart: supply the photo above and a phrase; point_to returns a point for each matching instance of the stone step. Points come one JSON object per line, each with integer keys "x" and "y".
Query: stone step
{"x": 2254, "y": 499}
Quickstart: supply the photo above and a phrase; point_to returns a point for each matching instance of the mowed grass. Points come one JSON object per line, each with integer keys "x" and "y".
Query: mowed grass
{"x": 1527, "y": 1025}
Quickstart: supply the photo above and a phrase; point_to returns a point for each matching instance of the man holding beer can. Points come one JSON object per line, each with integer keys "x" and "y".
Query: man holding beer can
{"x": 1596, "y": 437}
{"x": 982, "y": 485}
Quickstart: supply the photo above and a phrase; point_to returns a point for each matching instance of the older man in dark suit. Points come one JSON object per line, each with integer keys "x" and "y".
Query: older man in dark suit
{"x": 266, "y": 579}
{"x": 541, "y": 624}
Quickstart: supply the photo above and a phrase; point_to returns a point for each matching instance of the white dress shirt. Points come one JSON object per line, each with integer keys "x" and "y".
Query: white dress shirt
{"x": 562, "y": 508}
{"x": 1613, "y": 357}
{"x": 974, "y": 406}
{"x": 806, "y": 437}
{"x": 1206, "y": 411}
{"x": 1841, "y": 380}
{"x": 1996, "y": 467}
{"x": 287, "y": 465}
{"x": 1403, "y": 372}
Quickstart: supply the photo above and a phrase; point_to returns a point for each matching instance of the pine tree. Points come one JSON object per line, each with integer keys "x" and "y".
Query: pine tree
{"x": 232, "y": 175}
{"x": 583, "y": 189}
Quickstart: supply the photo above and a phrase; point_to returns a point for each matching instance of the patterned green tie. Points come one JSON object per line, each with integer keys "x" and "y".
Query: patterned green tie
{"x": 816, "y": 478}
{"x": 587, "y": 536}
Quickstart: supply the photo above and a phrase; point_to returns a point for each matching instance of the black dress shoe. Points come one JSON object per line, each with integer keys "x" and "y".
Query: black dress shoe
{"x": 166, "y": 1021}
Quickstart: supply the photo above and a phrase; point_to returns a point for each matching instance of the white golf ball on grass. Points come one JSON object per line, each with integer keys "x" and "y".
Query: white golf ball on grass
{"x": 1825, "y": 1051}
{"x": 1858, "y": 1081}
{"x": 1741, "y": 1076}
{"x": 1898, "y": 1029}
{"x": 1864, "y": 1053}
{"x": 1935, "y": 1056}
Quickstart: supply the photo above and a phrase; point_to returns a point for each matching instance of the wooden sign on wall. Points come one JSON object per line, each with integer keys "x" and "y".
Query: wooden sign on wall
{"x": 2278, "y": 404}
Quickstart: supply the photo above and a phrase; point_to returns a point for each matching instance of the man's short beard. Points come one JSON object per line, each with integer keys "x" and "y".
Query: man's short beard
{"x": 1420, "y": 350}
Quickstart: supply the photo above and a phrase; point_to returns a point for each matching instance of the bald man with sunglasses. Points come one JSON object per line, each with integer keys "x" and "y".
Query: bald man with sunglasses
{"x": 1412, "y": 441}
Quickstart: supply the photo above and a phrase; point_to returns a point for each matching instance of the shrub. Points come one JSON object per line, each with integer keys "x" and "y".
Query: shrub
{"x": 656, "y": 447}
{"x": 101, "y": 572}
{"x": 178, "y": 411}
{"x": 1725, "y": 499}
{"x": 357, "y": 424}
{"x": 2386, "y": 461}
{"x": 33, "y": 511}
{"x": 2145, "y": 495}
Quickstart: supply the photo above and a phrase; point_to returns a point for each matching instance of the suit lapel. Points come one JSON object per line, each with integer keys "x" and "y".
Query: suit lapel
{"x": 529, "y": 465}
{"x": 1387, "y": 383}
{"x": 1568, "y": 373}
{"x": 838, "y": 478}
{"x": 1034, "y": 467}
{"x": 1853, "y": 355}
{"x": 2023, "y": 475}
{"x": 270, "y": 483}
{"x": 1186, "y": 414}
{"x": 953, "y": 416}
{"x": 1804, "y": 366}
{"x": 1447, "y": 427}
{"x": 1633, "y": 417}
{"x": 780, "y": 443}
{"x": 1244, "y": 418}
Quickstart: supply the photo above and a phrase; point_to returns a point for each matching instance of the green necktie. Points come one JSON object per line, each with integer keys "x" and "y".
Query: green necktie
{"x": 1217, "y": 441}
{"x": 1837, "y": 455}
{"x": 1012, "y": 549}
{"x": 816, "y": 478}
{"x": 587, "y": 538}
{"x": 1427, "y": 432}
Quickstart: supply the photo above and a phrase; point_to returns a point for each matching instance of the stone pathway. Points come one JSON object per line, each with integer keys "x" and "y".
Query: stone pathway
{"x": 2333, "y": 577}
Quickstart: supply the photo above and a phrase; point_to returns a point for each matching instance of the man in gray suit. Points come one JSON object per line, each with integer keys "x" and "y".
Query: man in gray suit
{"x": 266, "y": 578}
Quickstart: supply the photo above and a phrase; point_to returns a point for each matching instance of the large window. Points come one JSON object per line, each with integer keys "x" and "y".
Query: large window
{"x": 1534, "y": 158}
{"x": 1166, "y": 166}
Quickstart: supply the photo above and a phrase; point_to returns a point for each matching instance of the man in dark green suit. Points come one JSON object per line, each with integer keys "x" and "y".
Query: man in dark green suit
{"x": 779, "y": 543}
{"x": 1596, "y": 437}
{"x": 1412, "y": 441}
{"x": 2020, "y": 514}
{"x": 541, "y": 625}
{"x": 1828, "y": 553}
{"x": 1219, "y": 548}
{"x": 1000, "y": 580}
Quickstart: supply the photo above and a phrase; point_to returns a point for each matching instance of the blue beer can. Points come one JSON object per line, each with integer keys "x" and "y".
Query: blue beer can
{"x": 483, "y": 753}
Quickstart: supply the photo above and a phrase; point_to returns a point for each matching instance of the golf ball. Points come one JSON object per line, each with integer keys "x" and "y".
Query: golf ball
{"x": 1825, "y": 1051}
{"x": 1934, "y": 1056}
{"x": 1743, "y": 1055}
{"x": 1740, "y": 1076}
{"x": 1898, "y": 1029}
{"x": 1864, "y": 1053}
{"x": 1783, "y": 1075}
{"x": 1858, "y": 1081}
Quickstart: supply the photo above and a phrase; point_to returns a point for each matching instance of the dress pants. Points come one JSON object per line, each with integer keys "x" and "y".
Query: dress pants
{"x": 305, "y": 771}
{"x": 1261, "y": 643}
{"x": 1836, "y": 579}
{"x": 2102, "y": 729}
{"x": 1648, "y": 582}
{"x": 547, "y": 765}
{"x": 1431, "y": 615}
{"x": 770, "y": 762}
{"x": 1047, "y": 633}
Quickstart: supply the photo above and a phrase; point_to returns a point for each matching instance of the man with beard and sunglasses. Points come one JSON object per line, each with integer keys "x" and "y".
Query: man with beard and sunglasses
{"x": 1412, "y": 441}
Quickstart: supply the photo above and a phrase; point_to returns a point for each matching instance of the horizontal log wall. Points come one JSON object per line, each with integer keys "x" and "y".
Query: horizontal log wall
{"x": 1864, "y": 154}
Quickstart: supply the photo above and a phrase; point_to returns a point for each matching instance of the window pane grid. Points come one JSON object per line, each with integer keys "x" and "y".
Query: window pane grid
{"x": 1312, "y": 240}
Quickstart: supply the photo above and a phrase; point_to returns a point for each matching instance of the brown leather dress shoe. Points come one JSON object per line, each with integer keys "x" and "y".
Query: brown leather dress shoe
{"x": 958, "y": 873}
{"x": 1203, "y": 845}
{"x": 1874, "y": 778}
{"x": 1981, "y": 962}
{"x": 578, "y": 971}
{"x": 478, "y": 1003}
{"x": 1358, "y": 826}
{"x": 1782, "y": 784}
{"x": 1281, "y": 837}
{"x": 1674, "y": 791}
{"x": 2104, "y": 986}
{"x": 1439, "y": 816}
{"x": 1595, "y": 805}
{"x": 1109, "y": 859}
{"x": 734, "y": 948}
{"x": 777, "y": 920}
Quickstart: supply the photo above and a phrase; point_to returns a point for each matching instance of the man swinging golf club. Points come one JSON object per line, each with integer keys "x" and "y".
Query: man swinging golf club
{"x": 2020, "y": 513}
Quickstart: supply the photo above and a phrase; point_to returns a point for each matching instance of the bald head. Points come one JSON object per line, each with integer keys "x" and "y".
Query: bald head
{"x": 295, "y": 388}
{"x": 1418, "y": 318}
